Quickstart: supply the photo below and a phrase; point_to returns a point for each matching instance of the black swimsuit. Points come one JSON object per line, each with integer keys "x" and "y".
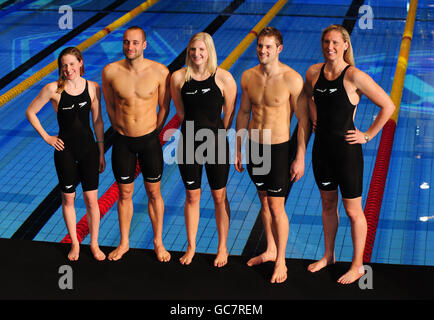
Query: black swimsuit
{"x": 203, "y": 103}
{"x": 145, "y": 149}
{"x": 335, "y": 161}
{"x": 268, "y": 166}
{"x": 79, "y": 161}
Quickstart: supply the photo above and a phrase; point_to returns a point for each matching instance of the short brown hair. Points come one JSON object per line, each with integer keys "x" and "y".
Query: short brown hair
{"x": 271, "y": 32}
{"x": 138, "y": 28}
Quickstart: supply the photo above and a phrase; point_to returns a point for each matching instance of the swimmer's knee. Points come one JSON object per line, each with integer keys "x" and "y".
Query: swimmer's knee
{"x": 219, "y": 196}
{"x": 68, "y": 199}
{"x": 126, "y": 193}
{"x": 192, "y": 196}
{"x": 276, "y": 205}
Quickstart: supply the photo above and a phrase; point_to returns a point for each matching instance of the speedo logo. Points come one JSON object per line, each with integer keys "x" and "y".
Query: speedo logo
{"x": 82, "y": 104}
{"x": 154, "y": 178}
{"x": 68, "y": 108}
{"x": 206, "y": 90}
{"x": 324, "y": 90}
{"x": 192, "y": 92}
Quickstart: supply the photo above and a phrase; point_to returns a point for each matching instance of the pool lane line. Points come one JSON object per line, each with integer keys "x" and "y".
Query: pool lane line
{"x": 8, "y": 78}
{"x": 5, "y": 4}
{"x": 13, "y": 8}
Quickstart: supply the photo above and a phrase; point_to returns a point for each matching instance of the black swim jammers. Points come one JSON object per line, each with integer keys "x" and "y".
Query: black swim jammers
{"x": 146, "y": 149}
{"x": 272, "y": 173}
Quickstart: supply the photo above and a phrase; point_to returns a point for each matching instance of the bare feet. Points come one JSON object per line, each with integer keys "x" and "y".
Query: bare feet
{"x": 117, "y": 253}
{"x": 352, "y": 275}
{"x": 188, "y": 256}
{"x": 162, "y": 254}
{"x": 221, "y": 259}
{"x": 280, "y": 273}
{"x": 97, "y": 253}
{"x": 323, "y": 262}
{"x": 74, "y": 252}
{"x": 264, "y": 257}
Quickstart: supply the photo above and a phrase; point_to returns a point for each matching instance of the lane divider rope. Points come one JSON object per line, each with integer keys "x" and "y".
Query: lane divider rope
{"x": 382, "y": 161}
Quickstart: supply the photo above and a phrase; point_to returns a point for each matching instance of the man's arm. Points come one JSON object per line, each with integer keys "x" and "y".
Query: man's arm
{"x": 98, "y": 124}
{"x": 298, "y": 99}
{"x": 175, "y": 90}
{"x": 163, "y": 98}
{"x": 107, "y": 91}
{"x": 242, "y": 122}
{"x": 308, "y": 90}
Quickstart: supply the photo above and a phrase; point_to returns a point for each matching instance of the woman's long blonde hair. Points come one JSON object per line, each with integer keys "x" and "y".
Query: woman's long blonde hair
{"x": 348, "y": 54}
{"x": 74, "y": 52}
{"x": 212, "y": 55}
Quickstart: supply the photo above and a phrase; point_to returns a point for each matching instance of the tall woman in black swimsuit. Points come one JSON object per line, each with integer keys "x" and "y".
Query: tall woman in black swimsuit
{"x": 201, "y": 91}
{"x": 76, "y": 156}
{"x": 335, "y": 88}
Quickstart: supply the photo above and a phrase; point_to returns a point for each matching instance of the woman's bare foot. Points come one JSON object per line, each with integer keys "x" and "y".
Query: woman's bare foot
{"x": 280, "y": 273}
{"x": 323, "y": 262}
{"x": 162, "y": 254}
{"x": 221, "y": 259}
{"x": 74, "y": 252}
{"x": 117, "y": 253}
{"x": 264, "y": 257}
{"x": 188, "y": 256}
{"x": 97, "y": 253}
{"x": 352, "y": 275}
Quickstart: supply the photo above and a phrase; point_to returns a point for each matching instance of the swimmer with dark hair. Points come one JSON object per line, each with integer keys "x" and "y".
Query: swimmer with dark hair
{"x": 271, "y": 92}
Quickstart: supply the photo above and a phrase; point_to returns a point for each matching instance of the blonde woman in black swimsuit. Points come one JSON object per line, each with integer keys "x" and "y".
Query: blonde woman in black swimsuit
{"x": 335, "y": 88}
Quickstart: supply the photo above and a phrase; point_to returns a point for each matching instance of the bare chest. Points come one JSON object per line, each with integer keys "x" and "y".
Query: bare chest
{"x": 129, "y": 87}
{"x": 271, "y": 93}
